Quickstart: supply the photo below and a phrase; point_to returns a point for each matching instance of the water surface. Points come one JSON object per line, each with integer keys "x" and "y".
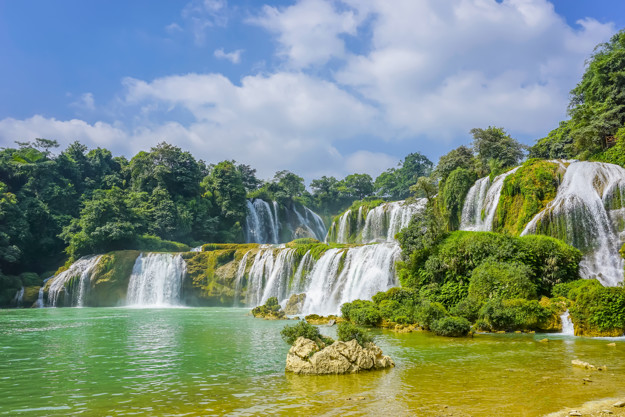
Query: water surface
{"x": 218, "y": 361}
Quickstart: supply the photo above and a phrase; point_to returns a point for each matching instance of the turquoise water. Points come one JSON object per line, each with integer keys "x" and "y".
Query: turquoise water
{"x": 218, "y": 361}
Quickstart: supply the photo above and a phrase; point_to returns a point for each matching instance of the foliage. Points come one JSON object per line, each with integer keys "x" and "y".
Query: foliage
{"x": 271, "y": 308}
{"x": 428, "y": 313}
{"x": 600, "y": 309}
{"x": 525, "y": 193}
{"x": 558, "y": 144}
{"x": 514, "y": 314}
{"x": 615, "y": 154}
{"x": 459, "y": 158}
{"x": 573, "y": 289}
{"x": 495, "y": 150}
{"x": 347, "y": 331}
{"x": 302, "y": 329}
{"x": 504, "y": 280}
{"x": 394, "y": 183}
{"x": 453, "y": 194}
{"x": 451, "y": 327}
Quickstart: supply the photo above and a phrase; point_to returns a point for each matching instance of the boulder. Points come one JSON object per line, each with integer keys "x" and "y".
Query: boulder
{"x": 295, "y": 304}
{"x": 305, "y": 357}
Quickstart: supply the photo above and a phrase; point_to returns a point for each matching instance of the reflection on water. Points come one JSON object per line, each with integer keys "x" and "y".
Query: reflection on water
{"x": 223, "y": 362}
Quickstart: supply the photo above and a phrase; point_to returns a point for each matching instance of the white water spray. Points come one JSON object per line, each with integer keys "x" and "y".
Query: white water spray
{"x": 156, "y": 280}
{"x": 65, "y": 282}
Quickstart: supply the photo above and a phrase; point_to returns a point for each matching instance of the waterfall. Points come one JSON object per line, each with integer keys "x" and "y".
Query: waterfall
{"x": 239, "y": 278}
{"x": 338, "y": 276}
{"x": 365, "y": 271}
{"x": 586, "y": 213}
{"x": 156, "y": 280}
{"x": 567, "y": 324}
{"x": 481, "y": 202}
{"x": 263, "y": 223}
{"x": 39, "y": 303}
{"x": 65, "y": 282}
{"x": 19, "y": 297}
{"x": 381, "y": 223}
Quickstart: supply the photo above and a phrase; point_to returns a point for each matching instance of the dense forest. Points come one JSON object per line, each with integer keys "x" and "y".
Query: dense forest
{"x": 57, "y": 205}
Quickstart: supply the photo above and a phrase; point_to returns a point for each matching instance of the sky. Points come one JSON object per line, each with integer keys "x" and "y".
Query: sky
{"x": 317, "y": 87}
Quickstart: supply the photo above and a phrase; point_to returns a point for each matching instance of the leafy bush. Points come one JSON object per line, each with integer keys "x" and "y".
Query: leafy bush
{"x": 468, "y": 308}
{"x": 270, "y": 308}
{"x": 429, "y": 312}
{"x": 347, "y": 332}
{"x": 573, "y": 289}
{"x": 451, "y": 327}
{"x": 366, "y": 316}
{"x": 599, "y": 308}
{"x": 501, "y": 280}
{"x": 302, "y": 329}
{"x": 517, "y": 314}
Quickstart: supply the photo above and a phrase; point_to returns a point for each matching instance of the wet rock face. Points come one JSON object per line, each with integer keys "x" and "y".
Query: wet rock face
{"x": 305, "y": 357}
{"x": 295, "y": 304}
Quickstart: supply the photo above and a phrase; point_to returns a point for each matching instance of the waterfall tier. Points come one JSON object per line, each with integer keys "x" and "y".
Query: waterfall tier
{"x": 270, "y": 223}
{"x": 156, "y": 280}
{"x": 588, "y": 212}
{"x": 72, "y": 284}
{"x": 379, "y": 224}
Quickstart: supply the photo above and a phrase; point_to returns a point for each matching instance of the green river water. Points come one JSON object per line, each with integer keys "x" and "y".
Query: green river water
{"x": 220, "y": 361}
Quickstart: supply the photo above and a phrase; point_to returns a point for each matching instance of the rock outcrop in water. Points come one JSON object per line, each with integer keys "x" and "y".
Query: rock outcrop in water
{"x": 306, "y": 358}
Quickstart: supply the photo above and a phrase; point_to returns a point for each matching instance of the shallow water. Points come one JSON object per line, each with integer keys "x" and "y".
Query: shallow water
{"x": 212, "y": 361}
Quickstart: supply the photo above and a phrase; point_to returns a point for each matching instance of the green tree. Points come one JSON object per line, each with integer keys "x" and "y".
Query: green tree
{"x": 395, "y": 183}
{"x": 495, "y": 150}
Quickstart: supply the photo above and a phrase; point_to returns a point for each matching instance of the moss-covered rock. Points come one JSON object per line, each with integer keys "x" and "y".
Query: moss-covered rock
{"x": 31, "y": 294}
{"x": 526, "y": 193}
{"x": 599, "y": 311}
{"x": 109, "y": 281}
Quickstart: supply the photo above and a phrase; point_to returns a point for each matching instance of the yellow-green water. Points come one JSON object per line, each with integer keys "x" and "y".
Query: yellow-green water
{"x": 212, "y": 361}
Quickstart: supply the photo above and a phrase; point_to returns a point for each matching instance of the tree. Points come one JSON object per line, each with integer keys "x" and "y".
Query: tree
{"x": 597, "y": 106}
{"x": 288, "y": 186}
{"x": 358, "y": 186}
{"x": 495, "y": 149}
{"x": 395, "y": 182}
{"x": 461, "y": 157}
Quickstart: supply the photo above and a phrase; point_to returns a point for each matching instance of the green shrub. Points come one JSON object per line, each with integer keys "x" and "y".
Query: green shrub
{"x": 302, "y": 329}
{"x": 347, "y": 332}
{"x": 517, "y": 314}
{"x": 573, "y": 289}
{"x": 468, "y": 308}
{"x": 429, "y": 312}
{"x": 398, "y": 294}
{"x": 361, "y": 312}
{"x": 270, "y": 308}
{"x": 600, "y": 309}
{"x": 451, "y": 327}
{"x": 501, "y": 280}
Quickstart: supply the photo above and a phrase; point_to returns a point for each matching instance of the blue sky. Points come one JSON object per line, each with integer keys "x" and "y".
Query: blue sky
{"x": 319, "y": 87}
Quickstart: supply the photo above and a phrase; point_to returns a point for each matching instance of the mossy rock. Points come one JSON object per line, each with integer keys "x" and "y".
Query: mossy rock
{"x": 109, "y": 281}
{"x": 31, "y": 294}
{"x": 526, "y": 193}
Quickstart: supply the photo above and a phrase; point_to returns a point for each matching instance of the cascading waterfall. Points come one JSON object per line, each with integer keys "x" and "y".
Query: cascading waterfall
{"x": 40, "y": 303}
{"x": 588, "y": 213}
{"x": 481, "y": 203}
{"x": 19, "y": 297}
{"x": 381, "y": 223}
{"x": 263, "y": 223}
{"x": 156, "y": 280}
{"x": 239, "y": 278}
{"x": 340, "y": 275}
{"x": 567, "y": 324}
{"x": 65, "y": 282}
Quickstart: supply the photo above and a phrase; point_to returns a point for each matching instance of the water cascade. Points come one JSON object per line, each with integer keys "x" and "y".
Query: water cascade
{"x": 588, "y": 213}
{"x": 40, "y": 303}
{"x": 380, "y": 224}
{"x": 481, "y": 202}
{"x": 567, "y": 325}
{"x": 156, "y": 280}
{"x": 338, "y": 276}
{"x": 73, "y": 282}
{"x": 264, "y": 225}
{"x": 19, "y": 297}
{"x": 239, "y": 278}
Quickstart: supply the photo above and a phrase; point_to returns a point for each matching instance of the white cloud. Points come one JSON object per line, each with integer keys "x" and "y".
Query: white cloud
{"x": 309, "y": 32}
{"x": 372, "y": 163}
{"x": 200, "y": 15}
{"x": 173, "y": 28}
{"x": 86, "y": 101}
{"x": 234, "y": 56}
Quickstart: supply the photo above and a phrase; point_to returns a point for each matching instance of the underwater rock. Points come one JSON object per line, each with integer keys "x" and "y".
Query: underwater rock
{"x": 305, "y": 357}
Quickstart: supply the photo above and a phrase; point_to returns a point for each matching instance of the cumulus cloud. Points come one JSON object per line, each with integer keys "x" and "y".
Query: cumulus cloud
{"x": 199, "y": 15}
{"x": 309, "y": 32}
{"x": 423, "y": 74}
{"x": 234, "y": 56}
